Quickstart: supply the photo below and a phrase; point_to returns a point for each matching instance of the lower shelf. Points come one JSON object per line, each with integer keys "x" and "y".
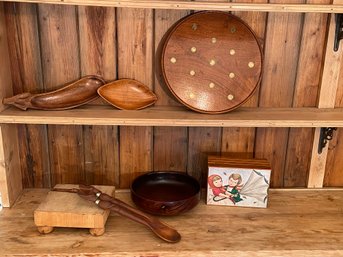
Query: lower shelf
{"x": 300, "y": 222}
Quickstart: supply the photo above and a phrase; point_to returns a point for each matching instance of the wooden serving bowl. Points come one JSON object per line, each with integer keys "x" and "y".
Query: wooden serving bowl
{"x": 127, "y": 94}
{"x": 212, "y": 62}
{"x": 165, "y": 193}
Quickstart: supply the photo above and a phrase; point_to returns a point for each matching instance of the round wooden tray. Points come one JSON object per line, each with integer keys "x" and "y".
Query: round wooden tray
{"x": 212, "y": 62}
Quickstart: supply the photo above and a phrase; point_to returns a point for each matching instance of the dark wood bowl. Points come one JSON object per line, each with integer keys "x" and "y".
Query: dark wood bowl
{"x": 165, "y": 193}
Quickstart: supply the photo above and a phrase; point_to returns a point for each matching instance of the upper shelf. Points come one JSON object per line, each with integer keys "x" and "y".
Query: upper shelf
{"x": 179, "y": 116}
{"x": 198, "y": 5}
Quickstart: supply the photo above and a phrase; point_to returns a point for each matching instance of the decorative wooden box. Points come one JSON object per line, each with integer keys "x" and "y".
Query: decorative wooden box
{"x": 238, "y": 182}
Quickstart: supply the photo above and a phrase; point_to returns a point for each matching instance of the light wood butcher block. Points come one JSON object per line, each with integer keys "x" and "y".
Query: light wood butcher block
{"x": 62, "y": 209}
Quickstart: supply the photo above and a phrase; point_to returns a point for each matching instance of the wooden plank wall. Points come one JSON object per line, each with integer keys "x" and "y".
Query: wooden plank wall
{"x": 52, "y": 45}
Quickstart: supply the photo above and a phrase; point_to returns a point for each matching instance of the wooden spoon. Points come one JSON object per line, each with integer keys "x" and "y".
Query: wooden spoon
{"x": 107, "y": 202}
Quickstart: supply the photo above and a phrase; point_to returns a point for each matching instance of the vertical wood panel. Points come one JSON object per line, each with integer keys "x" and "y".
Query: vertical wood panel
{"x": 60, "y": 60}
{"x": 101, "y": 155}
{"x": 135, "y": 60}
{"x": 241, "y": 141}
{"x": 97, "y": 28}
{"x": 10, "y": 176}
{"x": 329, "y": 85}
{"x": 277, "y": 88}
{"x": 66, "y": 154}
{"x": 202, "y": 142}
{"x": 22, "y": 27}
{"x": 306, "y": 91}
{"x": 170, "y": 144}
{"x": 98, "y": 56}
{"x": 334, "y": 164}
{"x": 170, "y": 148}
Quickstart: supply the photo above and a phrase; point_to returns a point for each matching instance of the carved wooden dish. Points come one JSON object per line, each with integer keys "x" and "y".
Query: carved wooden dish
{"x": 127, "y": 94}
{"x": 165, "y": 192}
{"x": 212, "y": 62}
{"x": 71, "y": 95}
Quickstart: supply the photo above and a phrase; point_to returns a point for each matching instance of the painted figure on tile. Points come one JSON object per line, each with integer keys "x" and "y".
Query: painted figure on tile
{"x": 234, "y": 187}
{"x": 216, "y": 185}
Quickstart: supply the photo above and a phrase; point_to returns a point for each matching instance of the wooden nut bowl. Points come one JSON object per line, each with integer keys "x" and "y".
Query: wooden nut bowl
{"x": 127, "y": 94}
{"x": 165, "y": 193}
{"x": 212, "y": 62}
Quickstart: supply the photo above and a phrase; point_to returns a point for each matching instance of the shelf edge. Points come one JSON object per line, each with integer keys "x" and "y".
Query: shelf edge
{"x": 194, "y": 5}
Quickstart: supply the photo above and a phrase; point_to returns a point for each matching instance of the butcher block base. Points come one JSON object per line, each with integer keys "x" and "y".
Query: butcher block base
{"x": 61, "y": 209}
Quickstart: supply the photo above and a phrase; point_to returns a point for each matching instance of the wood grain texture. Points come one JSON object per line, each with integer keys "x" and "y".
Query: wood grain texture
{"x": 11, "y": 184}
{"x": 135, "y": 55}
{"x": 98, "y": 49}
{"x": 202, "y": 142}
{"x": 97, "y": 32}
{"x": 170, "y": 148}
{"x": 241, "y": 141}
{"x": 327, "y": 99}
{"x": 101, "y": 155}
{"x": 10, "y": 175}
{"x": 334, "y": 163}
{"x": 171, "y": 116}
{"x": 198, "y": 5}
{"x": 127, "y": 94}
{"x": 64, "y": 209}
{"x": 282, "y": 43}
{"x": 135, "y": 153}
{"x": 71, "y": 95}
{"x": 60, "y": 61}
{"x": 24, "y": 49}
{"x": 206, "y": 68}
{"x": 306, "y": 91}
{"x": 198, "y": 150}
{"x": 66, "y": 154}
{"x": 170, "y": 144}
{"x": 5, "y": 71}
{"x": 292, "y": 225}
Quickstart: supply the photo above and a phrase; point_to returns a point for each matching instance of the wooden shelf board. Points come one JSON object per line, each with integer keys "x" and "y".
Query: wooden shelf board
{"x": 297, "y": 223}
{"x": 179, "y": 116}
{"x": 198, "y": 5}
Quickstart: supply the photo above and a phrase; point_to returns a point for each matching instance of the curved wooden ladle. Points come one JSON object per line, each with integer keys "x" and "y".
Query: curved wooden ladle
{"x": 107, "y": 202}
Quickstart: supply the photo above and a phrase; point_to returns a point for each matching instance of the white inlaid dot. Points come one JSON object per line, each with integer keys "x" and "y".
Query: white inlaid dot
{"x": 192, "y": 72}
{"x": 231, "y": 75}
{"x": 211, "y": 85}
{"x": 212, "y": 62}
{"x": 232, "y": 52}
{"x": 173, "y": 60}
{"x": 230, "y": 97}
{"x": 214, "y": 40}
{"x": 251, "y": 64}
{"x": 193, "y": 49}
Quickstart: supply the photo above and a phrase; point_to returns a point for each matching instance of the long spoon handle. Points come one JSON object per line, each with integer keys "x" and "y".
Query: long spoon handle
{"x": 107, "y": 202}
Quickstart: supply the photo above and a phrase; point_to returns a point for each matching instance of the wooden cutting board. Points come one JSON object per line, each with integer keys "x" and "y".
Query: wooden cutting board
{"x": 212, "y": 62}
{"x": 61, "y": 209}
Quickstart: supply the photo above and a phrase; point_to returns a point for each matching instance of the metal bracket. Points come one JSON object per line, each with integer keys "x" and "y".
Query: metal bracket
{"x": 326, "y": 134}
{"x": 339, "y": 31}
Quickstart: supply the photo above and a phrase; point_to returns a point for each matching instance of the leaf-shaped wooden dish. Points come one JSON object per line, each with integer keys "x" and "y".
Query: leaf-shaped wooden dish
{"x": 127, "y": 94}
